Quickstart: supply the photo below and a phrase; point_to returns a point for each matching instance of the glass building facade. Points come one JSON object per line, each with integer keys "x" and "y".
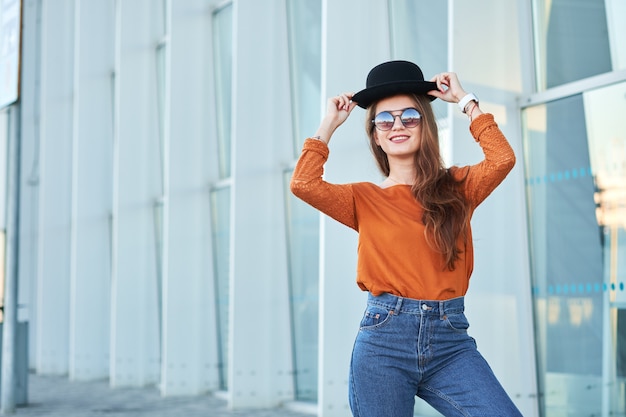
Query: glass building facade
{"x": 575, "y": 163}
{"x": 159, "y": 243}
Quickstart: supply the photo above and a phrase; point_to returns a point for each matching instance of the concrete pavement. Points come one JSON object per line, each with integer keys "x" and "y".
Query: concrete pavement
{"x": 54, "y": 396}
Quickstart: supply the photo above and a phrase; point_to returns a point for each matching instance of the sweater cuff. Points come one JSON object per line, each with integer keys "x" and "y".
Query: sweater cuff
{"x": 316, "y": 145}
{"x": 480, "y": 124}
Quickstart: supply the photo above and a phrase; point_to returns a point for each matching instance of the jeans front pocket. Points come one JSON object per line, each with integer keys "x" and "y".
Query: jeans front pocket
{"x": 457, "y": 322}
{"x": 375, "y": 316}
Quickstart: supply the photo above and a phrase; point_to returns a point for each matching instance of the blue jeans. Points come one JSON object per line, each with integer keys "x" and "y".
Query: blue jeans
{"x": 409, "y": 347}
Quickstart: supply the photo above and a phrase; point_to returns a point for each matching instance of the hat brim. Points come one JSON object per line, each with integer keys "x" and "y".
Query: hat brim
{"x": 366, "y": 97}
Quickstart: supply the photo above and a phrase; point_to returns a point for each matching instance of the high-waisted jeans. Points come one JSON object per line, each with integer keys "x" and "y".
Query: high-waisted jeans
{"x": 408, "y": 347}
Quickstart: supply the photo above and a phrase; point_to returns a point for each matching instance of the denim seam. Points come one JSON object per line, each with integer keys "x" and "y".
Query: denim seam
{"x": 355, "y": 398}
{"x": 447, "y": 399}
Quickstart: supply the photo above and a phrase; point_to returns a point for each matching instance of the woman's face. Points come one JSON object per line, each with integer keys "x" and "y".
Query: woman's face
{"x": 399, "y": 141}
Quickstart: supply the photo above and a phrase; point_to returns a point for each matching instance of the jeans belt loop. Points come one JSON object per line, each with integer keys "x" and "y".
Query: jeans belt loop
{"x": 398, "y": 305}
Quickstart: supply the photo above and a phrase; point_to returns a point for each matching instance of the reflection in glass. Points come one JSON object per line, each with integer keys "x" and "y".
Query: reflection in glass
{"x": 576, "y": 189}
{"x": 305, "y": 56}
{"x": 418, "y": 37}
{"x": 607, "y": 148}
{"x": 571, "y": 41}
{"x": 303, "y": 248}
{"x": 222, "y": 24}
{"x": 220, "y": 228}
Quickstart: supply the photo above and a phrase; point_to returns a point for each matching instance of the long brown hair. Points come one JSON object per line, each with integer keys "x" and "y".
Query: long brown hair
{"x": 446, "y": 212}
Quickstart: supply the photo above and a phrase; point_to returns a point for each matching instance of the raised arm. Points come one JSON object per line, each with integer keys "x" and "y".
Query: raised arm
{"x": 481, "y": 179}
{"x": 307, "y": 183}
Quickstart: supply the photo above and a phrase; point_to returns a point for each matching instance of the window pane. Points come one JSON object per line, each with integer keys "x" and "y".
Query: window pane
{"x": 615, "y": 12}
{"x": 303, "y": 247}
{"x": 576, "y": 192}
{"x": 571, "y": 41}
{"x": 305, "y": 54}
{"x": 425, "y": 43}
{"x": 220, "y": 222}
{"x": 222, "y": 25}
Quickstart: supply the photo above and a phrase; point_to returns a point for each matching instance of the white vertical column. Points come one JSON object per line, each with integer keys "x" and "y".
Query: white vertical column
{"x": 345, "y": 69}
{"x": 91, "y": 189}
{"x": 29, "y": 174}
{"x": 57, "y": 41}
{"x": 135, "y": 292}
{"x": 189, "y": 358}
{"x": 260, "y": 368}
{"x": 499, "y": 302}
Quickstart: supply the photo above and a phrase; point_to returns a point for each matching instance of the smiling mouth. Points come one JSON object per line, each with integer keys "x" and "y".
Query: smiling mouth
{"x": 401, "y": 138}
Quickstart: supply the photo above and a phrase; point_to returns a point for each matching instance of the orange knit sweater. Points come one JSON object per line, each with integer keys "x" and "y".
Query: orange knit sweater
{"x": 393, "y": 255}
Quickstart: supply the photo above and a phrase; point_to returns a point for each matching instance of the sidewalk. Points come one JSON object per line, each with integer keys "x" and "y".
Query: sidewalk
{"x": 55, "y": 396}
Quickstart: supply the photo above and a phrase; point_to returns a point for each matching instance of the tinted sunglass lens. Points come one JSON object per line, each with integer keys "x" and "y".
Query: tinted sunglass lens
{"x": 410, "y": 118}
{"x": 384, "y": 121}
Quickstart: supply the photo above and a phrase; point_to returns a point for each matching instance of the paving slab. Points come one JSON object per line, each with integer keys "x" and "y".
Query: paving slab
{"x": 56, "y": 396}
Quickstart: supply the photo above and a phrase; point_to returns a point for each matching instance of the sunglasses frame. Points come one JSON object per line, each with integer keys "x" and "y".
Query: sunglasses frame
{"x": 419, "y": 119}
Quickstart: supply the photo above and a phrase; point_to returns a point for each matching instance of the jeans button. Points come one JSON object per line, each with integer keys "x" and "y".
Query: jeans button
{"x": 424, "y": 307}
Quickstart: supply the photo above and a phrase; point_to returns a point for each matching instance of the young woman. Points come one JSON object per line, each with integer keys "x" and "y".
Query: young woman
{"x": 415, "y": 254}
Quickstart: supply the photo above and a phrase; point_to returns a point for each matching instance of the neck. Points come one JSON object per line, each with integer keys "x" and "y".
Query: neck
{"x": 402, "y": 174}
{"x": 392, "y": 179}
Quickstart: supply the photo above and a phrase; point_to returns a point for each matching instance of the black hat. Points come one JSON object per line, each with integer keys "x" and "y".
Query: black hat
{"x": 391, "y": 78}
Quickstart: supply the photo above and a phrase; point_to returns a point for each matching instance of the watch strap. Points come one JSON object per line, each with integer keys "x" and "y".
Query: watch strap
{"x": 466, "y": 99}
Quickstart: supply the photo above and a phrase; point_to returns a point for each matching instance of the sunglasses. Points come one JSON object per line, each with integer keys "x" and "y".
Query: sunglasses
{"x": 385, "y": 120}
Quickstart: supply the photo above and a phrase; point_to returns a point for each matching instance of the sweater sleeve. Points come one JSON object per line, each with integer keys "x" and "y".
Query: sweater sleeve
{"x": 481, "y": 179}
{"x": 307, "y": 184}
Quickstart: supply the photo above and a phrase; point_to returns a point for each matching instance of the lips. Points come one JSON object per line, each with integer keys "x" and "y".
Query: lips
{"x": 399, "y": 138}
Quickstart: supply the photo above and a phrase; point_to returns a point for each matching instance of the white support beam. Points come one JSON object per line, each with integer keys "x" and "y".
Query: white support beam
{"x": 29, "y": 174}
{"x": 260, "y": 368}
{"x": 135, "y": 293}
{"x": 55, "y": 153}
{"x": 91, "y": 190}
{"x": 189, "y": 358}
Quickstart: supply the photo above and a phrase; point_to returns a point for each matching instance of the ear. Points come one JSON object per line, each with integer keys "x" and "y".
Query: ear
{"x": 376, "y": 137}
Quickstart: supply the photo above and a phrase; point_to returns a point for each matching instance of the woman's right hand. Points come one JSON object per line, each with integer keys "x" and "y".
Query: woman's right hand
{"x": 338, "y": 108}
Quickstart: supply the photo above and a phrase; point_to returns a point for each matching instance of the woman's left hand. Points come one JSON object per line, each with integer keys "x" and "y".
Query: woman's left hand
{"x": 449, "y": 87}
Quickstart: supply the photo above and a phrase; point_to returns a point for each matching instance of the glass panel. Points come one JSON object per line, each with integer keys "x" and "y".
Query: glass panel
{"x": 222, "y": 26}
{"x": 425, "y": 43}
{"x": 571, "y": 41}
{"x": 576, "y": 192}
{"x": 220, "y": 228}
{"x": 303, "y": 248}
{"x": 305, "y": 53}
{"x": 615, "y": 12}
{"x": 607, "y": 149}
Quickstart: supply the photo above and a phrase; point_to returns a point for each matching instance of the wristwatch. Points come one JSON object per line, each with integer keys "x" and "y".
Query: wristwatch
{"x": 465, "y": 100}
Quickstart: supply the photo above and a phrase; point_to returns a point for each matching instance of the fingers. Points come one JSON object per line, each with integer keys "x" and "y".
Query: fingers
{"x": 444, "y": 80}
{"x": 448, "y": 87}
{"x": 338, "y": 110}
{"x": 344, "y": 101}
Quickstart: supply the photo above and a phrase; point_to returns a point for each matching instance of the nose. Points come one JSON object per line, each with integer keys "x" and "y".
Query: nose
{"x": 397, "y": 122}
